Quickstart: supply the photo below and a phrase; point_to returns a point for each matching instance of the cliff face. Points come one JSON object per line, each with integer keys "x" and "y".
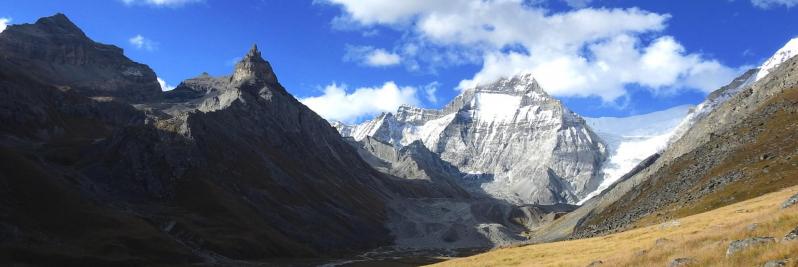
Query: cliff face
{"x": 100, "y": 167}
{"x": 513, "y": 141}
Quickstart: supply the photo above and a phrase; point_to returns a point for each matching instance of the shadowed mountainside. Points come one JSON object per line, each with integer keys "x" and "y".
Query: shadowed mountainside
{"x": 99, "y": 167}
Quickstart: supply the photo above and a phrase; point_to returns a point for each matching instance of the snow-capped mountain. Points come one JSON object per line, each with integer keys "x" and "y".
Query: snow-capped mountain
{"x": 788, "y": 51}
{"x": 515, "y": 141}
{"x": 632, "y": 139}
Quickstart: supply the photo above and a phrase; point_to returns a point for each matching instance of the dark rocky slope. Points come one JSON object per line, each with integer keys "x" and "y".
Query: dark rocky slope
{"x": 98, "y": 167}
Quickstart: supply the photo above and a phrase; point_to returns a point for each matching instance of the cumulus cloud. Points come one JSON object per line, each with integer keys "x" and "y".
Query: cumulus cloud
{"x": 370, "y": 56}
{"x": 164, "y": 85}
{"x": 338, "y": 103}
{"x": 430, "y": 90}
{"x": 580, "y": 52}
{"x": 766, "y": 4}
{"x": 4, "y": 23}
{"x": 140, "y": 42}
{"x": 161, "y": 3}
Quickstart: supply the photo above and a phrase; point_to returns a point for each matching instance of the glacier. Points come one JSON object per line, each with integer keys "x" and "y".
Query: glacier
{"x": 632, "y": 139}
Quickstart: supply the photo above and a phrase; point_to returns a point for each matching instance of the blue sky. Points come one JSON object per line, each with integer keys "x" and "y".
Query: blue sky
{"x": 350, "y": 59}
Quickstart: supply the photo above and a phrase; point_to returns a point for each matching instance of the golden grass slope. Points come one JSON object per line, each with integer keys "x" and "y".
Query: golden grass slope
{"x": 703, "y": 236}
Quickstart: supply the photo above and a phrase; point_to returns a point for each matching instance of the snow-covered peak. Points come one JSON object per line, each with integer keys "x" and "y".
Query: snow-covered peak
{"x": 788, "y": 51}
{"x": 523, "y": 83}
{"x": 343, "y": 128}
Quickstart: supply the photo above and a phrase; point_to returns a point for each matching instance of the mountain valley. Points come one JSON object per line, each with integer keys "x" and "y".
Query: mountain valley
{"x": 100, "y": 167}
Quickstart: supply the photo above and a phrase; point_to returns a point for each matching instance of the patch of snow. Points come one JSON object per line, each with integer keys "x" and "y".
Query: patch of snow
{"x": 492, "y": 107}
{"x": 788, "y": 51}
{"x": 428, "y": 133}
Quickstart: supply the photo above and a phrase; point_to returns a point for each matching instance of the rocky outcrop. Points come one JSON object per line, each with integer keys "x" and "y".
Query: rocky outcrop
{"x": 775, "y": 263}
{"x": 792, "y": 235}
{"x": 790, "y": 202}
{"x": 679, "y": 262}
{"x": 515, "y": 142}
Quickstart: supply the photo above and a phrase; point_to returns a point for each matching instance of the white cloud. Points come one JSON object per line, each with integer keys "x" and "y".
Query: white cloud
{"x": 161, "y": 3}
{"x": 4, "y": 23}
{"x": 430, "y": 90}
{"x": 338, "y": 103}
{"x": 765, "y": 4}
{"x": 369, "y": 56}
{"x": 164, "y": 85}
{"x": 140, "y": 42}
{"x": 582, "y": 52}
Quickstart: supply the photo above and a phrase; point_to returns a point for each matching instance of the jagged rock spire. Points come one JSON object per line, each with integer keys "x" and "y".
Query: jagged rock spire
{"x": 254, "y": 69}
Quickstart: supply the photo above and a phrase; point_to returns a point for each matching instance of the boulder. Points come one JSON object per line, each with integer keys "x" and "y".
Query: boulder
{"x": 740, "y": 245}
{"x": 792, "y": 235}
{"x": 775, "y": 263}
{"x": 682, "y": 262}
{"x": 595, "y": 263}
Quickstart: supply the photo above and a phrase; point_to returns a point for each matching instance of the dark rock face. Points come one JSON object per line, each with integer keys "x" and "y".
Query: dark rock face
{"x": 740, "y": 245}
{"x": 56, "y": 52}
{"x": 219, "y": 170}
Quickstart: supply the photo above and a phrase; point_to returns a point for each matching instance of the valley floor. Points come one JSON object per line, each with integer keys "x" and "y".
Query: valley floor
{"x": 703, "y": 237}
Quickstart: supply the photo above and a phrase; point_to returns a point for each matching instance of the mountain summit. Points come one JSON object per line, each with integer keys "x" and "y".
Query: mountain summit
{"x": 55, "y": 51}
{"x": 253, "y": 68}
{"x": 510, "y": 137}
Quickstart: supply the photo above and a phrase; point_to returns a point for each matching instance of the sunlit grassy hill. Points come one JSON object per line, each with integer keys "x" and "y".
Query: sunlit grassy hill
{"x": 703, "y": 237}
